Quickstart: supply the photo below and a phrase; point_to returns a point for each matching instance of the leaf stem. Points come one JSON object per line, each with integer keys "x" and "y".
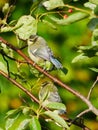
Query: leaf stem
{"x": 78, "y": 9}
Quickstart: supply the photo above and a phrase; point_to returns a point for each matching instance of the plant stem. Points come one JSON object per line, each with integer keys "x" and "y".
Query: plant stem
{"x": 78, "y": 9}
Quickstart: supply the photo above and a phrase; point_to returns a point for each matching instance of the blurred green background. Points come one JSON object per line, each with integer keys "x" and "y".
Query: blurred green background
{"x": 63, "y": 42}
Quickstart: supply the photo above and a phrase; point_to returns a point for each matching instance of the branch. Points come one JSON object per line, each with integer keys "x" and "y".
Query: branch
{"x": 76, "y": 93}
{"x": 91, "y": 89}
{"x": 37, "y": 101}
{"x": 19, "y": 86}
{"x": 83, "y": 112}
{"x": 78, "y": 9}
{"x": 11, "y": 58}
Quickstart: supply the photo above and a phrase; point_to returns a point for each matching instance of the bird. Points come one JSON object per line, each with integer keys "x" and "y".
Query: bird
{"x": 49, "y": 94}
{"x": 39, "y": 52}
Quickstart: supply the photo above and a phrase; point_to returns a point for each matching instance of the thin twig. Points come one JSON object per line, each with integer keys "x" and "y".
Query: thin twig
{"x": 78, "y": 116}
{"x": 19, "y": 86}
{"x": 8, "y": 69}
{"x": 76, "y": 93}
{"x": 91, "y": 89}
{"x": 11, "y": 58}
{"x": 78, "y": 9}
{"x": 83, "y": 112}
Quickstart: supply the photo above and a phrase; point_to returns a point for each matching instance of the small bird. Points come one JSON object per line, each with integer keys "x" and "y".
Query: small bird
{"x": 49, "y": 94}
{"x": 39, "y": 51}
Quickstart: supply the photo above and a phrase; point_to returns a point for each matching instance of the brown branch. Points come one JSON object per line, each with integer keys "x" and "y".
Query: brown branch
{"x": 19, "y": 86}
{"x": 37, "y": 101}
{"x": 91, "y": 89}
{"x": 11, "y": 58}
{"x": 76, "y": 93}
{"x": 83, "y": 112}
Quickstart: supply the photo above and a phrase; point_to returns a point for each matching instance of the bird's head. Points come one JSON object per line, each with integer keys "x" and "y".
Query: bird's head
{"x": 32, "y": 39}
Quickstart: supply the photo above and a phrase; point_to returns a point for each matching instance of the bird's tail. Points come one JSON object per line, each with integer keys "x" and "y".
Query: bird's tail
{"x": 56, "y": 63}
{"x": 64, "y": 70}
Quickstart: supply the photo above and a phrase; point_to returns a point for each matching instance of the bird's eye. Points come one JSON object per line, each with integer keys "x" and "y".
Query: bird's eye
{"x": 31, "y": 40}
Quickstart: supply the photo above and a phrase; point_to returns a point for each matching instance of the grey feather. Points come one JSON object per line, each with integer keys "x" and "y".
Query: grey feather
{"x": 40, "y": 49}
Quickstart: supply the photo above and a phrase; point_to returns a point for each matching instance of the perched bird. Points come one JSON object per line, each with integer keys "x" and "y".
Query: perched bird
{"x": 49, "y": 94}
{"x": 39, "y": 51}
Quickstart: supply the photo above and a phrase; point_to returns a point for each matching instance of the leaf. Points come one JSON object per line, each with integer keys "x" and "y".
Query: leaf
{"x": 94, "y": 69}
{"x": 10, "y": 122}
{"x": 96, "y": 10}
{"x": 89, "y": 51}
{"x": 52, "y": 4}
{"x": 90, "y": 5}
{"x": 6, "y": 29}
{"x": 71, "y": 19}
{"x": 56, "y": 105}
{"x": 26, "y": 110}
{"x": 56, "y": 118}
{"x": 3, "y": 67}
{"x": 35, "y": 124}
{"x": 12, "y": 23}
{"x": 43, "y": 94}
{"x": 23, "y": 124}
{"x": 9, "y": 28}
{"x": 79, "y": 58}
{"x": 5, "y": 8}
{"x": 28, "y": 27}
{"x": 35, "y": 5}
{"x": 13, "y": 112}
{"x": 94, "y": 1}
{"x": 67, "y": 1}
{"x": 92, "y": 23}
{"x": 49, "y": 24}
{"x": 95, "y": 37}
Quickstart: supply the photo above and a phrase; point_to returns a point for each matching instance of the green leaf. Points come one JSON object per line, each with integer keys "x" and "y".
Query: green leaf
{"x": 49, "y": 24}
{"x": 12, "y": 23}
{"x": 28, "y": 27}
{"x": 10, "y": 122}
{"x": 34, "y": 6}
{"x": 3, "y": 67}
{"x": 93, "y": 23}
{"x": 96, "y": 10}
{"x": 94, "y": 69}
{"x": 43, "y": 95}
{"x": 35, "y": 124}
{"x": 52, "y": 4}
{"x": 95, "y": 37}
{"x": 94, "y": 1}
{"x": 23, "y": 124}
{"x": 90, "y": 5}
{"x": 9, "y": 28}
{"x": 5, "y": 8}
{"x": 79, "y": 58}
{"x": 67, "y": 1}
{"x": 26, "y": 110}
{"x": 71, "y": 19}
{"x": 89, "y": 50}
{"x": 13, "y": 112}
{"x": 56, "y": 105}
{"x": 56, "y": 118}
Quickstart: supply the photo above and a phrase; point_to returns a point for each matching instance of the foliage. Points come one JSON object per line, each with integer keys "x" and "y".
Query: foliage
{"x": 45, "y": 15}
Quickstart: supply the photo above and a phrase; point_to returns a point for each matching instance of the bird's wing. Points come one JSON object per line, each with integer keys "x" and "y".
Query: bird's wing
{"x": 42, "y": 51}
